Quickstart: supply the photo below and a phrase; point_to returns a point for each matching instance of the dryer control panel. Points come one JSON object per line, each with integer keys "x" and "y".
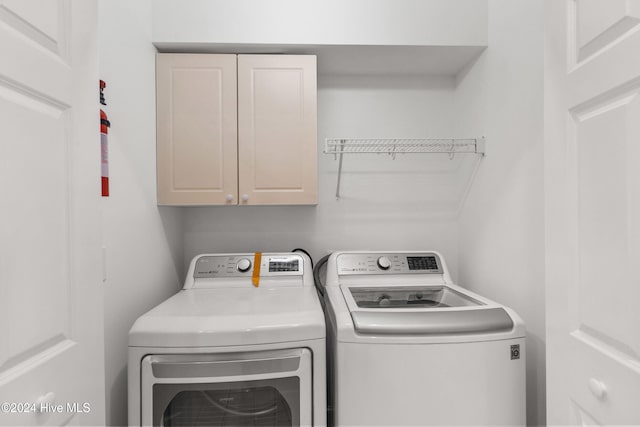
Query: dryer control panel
{"x": 240, "y": 265}
{"x": 391, "y": 263}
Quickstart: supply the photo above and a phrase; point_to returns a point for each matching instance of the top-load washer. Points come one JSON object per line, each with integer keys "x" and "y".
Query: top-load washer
{"x": 409, "y": 347}
{"x": 242, "y": 344}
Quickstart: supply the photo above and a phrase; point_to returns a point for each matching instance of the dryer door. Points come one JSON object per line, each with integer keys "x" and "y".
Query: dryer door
{"x": 227, "y": 389}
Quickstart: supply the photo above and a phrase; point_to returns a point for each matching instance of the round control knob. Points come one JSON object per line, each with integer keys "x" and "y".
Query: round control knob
{"x": 384, "y": 263}
{"x": 243, "y": 265}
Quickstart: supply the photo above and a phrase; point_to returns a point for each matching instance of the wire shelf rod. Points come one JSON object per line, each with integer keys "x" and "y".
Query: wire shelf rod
{"x": 394, "y": 146}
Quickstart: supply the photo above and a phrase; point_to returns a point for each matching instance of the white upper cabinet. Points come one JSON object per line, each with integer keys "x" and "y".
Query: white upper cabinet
{"x": 236, "y": 129}
{"x": 277, "y": 129}
{"x": 197, "y": 129}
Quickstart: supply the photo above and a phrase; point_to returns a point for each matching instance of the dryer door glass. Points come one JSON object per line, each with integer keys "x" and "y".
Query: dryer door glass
{"x": 247, "y": 403}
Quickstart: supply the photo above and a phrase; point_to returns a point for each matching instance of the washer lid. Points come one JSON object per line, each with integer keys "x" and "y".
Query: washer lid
{"x": 228, "y": 317}
{"x": 424, "y": 310}
{"x": 486, "y": 320}
{"x": 397, "y": 297}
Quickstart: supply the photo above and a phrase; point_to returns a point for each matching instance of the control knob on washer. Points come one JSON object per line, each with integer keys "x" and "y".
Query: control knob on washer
{"x": 384, "y": 263}
{"x": 243, "y": 265}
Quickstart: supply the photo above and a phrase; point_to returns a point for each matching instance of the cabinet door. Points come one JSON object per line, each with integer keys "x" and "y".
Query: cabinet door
{"x": 197, "y": 129}
{"x": 277, "y": 142}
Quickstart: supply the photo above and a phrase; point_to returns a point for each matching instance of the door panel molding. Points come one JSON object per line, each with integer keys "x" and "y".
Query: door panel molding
{"x": 617, "y": 350}
{"x": 15, "y": 92}
{"x": 588, "y": 39}
{"x": 582, "y": 416}
{"x": 40, "y": 200}
{"x": 603, "y": 132}
{"x": 14, "y": 368}
{"x": 54, "y": 38}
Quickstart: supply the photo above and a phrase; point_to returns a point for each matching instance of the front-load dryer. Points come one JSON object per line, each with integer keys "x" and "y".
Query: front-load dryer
{"x": 409, "y": 347}
{"x": 242, "y": 344}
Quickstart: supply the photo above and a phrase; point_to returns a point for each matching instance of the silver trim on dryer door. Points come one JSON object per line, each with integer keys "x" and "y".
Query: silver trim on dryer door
{"x": 437, "y": 322}
{"x": 171, "y": 366}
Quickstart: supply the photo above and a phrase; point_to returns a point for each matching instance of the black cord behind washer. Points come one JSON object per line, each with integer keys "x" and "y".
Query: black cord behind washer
{"x": 305, "y": 252}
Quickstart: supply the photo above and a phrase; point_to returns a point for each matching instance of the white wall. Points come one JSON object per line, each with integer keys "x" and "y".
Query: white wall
{"x": 144, "y": 242}
{"x": 353, "y": 22}
{"x": 407, "y": 203}
{"x": 385, "y": 204}
{"x": 501, "y": 243}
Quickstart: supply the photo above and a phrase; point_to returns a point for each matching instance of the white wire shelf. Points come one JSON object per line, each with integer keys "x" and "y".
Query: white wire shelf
{"x": 392, "y": 147}
{"x": 451, "y": 146}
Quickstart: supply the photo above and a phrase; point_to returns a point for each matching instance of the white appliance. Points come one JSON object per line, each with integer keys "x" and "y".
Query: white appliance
{"x": 408, "y": 347}
{"x": 224, "y": 352}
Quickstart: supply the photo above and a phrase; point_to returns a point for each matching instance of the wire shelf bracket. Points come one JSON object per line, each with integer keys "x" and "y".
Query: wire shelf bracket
{"x": 450, "y": 146}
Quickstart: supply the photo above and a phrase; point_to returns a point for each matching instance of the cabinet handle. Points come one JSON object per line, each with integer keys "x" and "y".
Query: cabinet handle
{"x": 229, "y": 197}
{"x": 45, "y": 400}
{"x": 598, "y": 388}
{"x": 245, "y": 197}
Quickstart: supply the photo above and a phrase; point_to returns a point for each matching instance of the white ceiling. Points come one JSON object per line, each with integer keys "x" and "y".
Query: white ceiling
{"x": 360, "y": 59}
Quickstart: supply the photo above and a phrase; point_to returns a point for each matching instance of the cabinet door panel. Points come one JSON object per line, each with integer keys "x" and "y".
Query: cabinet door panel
{"x": 197, "y": 129}
{"x": 277, "y": 142}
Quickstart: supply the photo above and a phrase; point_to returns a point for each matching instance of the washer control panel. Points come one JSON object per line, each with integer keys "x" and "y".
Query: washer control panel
{"x": 210, "y": 266}
{"x": 392, "y": 263}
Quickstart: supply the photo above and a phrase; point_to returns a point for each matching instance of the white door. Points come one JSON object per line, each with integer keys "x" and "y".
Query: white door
{"x": 51, "y": 334}
{"x": 592, "y": 196}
